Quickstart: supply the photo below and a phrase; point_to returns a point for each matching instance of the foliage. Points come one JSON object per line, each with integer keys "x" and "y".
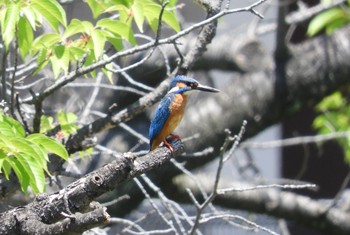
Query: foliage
{"x": 66, "y": 122}
{"x": 330, "y": 19}
{"x": 70, "y": 43}
{"x": 334, "y": 111}
{"x": 334, "y": 117}
{"x": 26, "y": 155}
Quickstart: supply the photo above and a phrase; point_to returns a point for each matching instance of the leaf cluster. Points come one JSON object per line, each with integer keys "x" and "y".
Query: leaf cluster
{"x": 330, "y": 19}
{"x": 67, "y": 45}
{"x": 26, "y": 155}
{"x": 78, "y": 40}
{"x": 334, "y": 117}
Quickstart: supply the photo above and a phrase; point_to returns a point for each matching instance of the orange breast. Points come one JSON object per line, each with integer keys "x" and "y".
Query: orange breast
{"x": 177, "y": 110}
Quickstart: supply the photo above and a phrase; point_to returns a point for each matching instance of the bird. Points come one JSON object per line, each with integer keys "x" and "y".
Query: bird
{"x": 171, "y": 109}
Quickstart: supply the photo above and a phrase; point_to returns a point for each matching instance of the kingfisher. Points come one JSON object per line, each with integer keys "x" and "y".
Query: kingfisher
{"x": 171, "y": 109}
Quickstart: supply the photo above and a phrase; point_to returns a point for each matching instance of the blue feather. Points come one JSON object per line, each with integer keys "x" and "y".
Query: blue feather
{"x": 183, "y": 79}
{"x": 160, "y": 117}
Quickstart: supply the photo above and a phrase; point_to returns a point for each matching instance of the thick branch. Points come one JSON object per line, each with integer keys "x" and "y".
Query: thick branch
{"x": 51, "y": 213}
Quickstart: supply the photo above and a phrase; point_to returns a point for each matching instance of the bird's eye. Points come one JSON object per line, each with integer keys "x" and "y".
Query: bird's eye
{"x": 194, "y": 85}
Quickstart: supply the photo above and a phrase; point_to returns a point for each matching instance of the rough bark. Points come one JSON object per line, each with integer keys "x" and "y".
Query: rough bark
{"x": 70, "y": 210}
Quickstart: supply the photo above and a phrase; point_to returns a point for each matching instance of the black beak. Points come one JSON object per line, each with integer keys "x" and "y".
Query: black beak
{"x": 206, "y": 88}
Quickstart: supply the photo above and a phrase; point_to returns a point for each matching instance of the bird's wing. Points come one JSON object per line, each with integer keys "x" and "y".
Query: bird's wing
{"x": 160, "y": 117}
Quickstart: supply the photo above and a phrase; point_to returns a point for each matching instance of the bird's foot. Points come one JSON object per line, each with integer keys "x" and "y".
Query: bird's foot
{"x": 174, "y": 136}
{"x": 168, "y": 145}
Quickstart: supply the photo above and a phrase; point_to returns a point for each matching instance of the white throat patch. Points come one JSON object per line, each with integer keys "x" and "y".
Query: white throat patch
{"x": 175, "y": 88}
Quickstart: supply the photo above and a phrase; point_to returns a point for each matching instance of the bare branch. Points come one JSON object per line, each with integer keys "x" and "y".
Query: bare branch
{"x": 301, "y": 140}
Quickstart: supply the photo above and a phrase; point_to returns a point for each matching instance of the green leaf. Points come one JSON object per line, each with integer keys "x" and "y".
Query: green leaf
{"x": 170, "y": 19}
{"x": 6, "y": 129}
{"x": 116, "y": 42}
{"x": 96, "y": 7}
{"x": 34, "y": 170}
{"x": 27, "y": 147}
{"x": 52, "y": 11}
{"x": 49, "y": 145}
{"x": 75, "y": 26}
{"x": 332, "y": 102}
{"x": 137, "y": 9}
{"x": 9, "y": 23}
{"x": 45, "y": 41}
{"x": 10, "y": 127}
{"x": 87, "y": 26}
{"x": 323, "y": 19}
{"x": 6, "y": 168}
{"x": 76, "y": 53}
{"x": 25, "y": 37}
{"x": 2, "y": 159}
{"x": 55, "y": 65}
{"x": 30, "y": 15}
{"x": 117, "y": 28}
{"x": 336, "y": 24}
{"x": 66, "y": 118}
{"x": 62, "y": 55}
{"x": 98, "y": 40}
{"x": 20, "y": 171}
{"x": 46, "y": 123}
{"x": 42, "y": 59}
{"x": 151, "y": 12}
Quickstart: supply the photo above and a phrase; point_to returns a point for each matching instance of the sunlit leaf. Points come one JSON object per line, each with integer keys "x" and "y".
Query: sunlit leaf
{"x": 52, "y": 11}
{"x": 117, "y": 28}
{"x": 98, "y": 40}
{"x": 97, "y": 7}
{"x": 323, "y": 19}
{"x": 62, "y": 55}
{"x": 75, "y": 26}
{"x": 25, "y": 37}
{"x": 9, "y": 23}
{"x": 49, "y": 144}
{"x": 30, "y": 15}
{"x": 45, "y": 41}
{"x": 10, "y": 127}
{"x": 137, "y": 9}
{"x": 46, "y": 123}
{"x": 6, "y": 168}
{"x": 34, "y": 170}
{"x": 20, "y": 171}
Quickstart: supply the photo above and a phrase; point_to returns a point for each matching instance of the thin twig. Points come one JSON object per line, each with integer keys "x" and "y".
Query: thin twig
{"x": 296, "y": 140}
{"x": 208, "y": 200}
{"x": 128, "y": 77}
{"x": 170, "y": 40}
{"x": 92, "y": 98}
{"x": 165, "y": 201}
{"x": 23, "y": 120}
{"x": 153, "y": 204}
{"x": 285, "y": 186}
{"x": 106, "y": 86}
{"x": 229, "y": 216}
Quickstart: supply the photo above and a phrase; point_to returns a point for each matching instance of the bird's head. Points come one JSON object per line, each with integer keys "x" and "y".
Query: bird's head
{"x": 185, "y": 85}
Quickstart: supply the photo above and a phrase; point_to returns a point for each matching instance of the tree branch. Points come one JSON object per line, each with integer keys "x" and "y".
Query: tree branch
{"x": 44, "y": 215}
{"x": 281, "y": 204}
